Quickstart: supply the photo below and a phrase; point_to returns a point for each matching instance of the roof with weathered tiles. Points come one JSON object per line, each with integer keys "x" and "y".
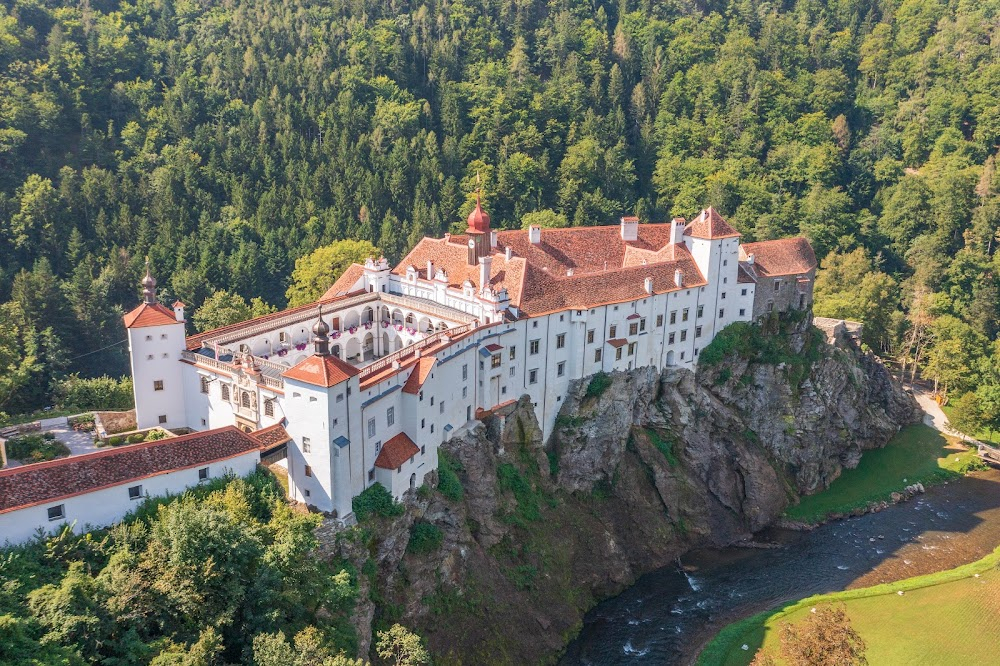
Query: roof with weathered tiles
{"x": 785, "y": 256}
{"x": 345, "y": 283}
{"x": 150, "y": 314}
{"x": 324, "y": 371}
{"x": 40, "y": 483}
{"x": 419, "y": 374}
{"x": 710, "y": 225}
{"x": 271, "y": 436}
{"x": 396, "y": 451}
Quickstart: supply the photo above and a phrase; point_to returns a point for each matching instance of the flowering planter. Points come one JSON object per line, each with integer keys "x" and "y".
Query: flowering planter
{"x": 352, "y": 329}
{"x": 335, "y": 335}
{"x": 283, "y": 352}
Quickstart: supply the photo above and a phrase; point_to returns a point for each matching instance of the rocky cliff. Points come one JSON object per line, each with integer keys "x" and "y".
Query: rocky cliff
{"x": 642, "y": 467}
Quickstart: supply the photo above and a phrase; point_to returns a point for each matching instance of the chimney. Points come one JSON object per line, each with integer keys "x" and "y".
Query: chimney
{"x": 508, "y": 252}
{"x": 535, "y": 234}
{"x": 677, "y": 231}
{"x": 493, "y": 240}
{"x": 630, "y": 229}
{"x": 484, "y": 271}
{"x": 396, "y": 365}
{"x": 649, "y": 286}
{"x": 447, "y": 237}
{"x": 430, "y": 269}
{"x": 750, "y": 258}
{"x": 416, "y": 354}
{"x": 569, "y": 272}
{"x": 178, "y": 311}
{"x": 679, "y": 278}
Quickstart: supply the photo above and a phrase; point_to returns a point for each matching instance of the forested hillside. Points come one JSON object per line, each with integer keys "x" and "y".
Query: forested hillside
{"x": 227, "y": 139}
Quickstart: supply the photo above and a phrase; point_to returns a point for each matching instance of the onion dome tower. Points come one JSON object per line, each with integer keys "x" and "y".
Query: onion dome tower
{"x": 479, "y": 231}
{"x": 321, "y": 336}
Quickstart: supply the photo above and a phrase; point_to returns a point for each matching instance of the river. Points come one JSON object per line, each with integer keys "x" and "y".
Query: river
{"x": 669, "y": 615}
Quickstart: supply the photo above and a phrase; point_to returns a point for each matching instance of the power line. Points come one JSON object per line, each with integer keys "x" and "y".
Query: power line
{"x": 98, "y": 350}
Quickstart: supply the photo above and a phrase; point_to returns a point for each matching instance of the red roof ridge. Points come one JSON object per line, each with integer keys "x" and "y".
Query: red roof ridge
{"x": 710, "y": 225}
{"x": 272, "y": 435}
{"x": 324, "y": 371}
{"x": 418, "y": 375}
{"x": 396, "y": 451}
{"x": 781, "y": 256}
{"x": 150, "y": 314}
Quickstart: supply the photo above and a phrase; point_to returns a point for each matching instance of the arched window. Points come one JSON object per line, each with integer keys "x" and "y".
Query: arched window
{"x": 245, "y": 400}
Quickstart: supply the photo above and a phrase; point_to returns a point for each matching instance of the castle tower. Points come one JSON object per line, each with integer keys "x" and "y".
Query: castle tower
{"x": 155, "y": 340}
{"x": 480, "y": 235}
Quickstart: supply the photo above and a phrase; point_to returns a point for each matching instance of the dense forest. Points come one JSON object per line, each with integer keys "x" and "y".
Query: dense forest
{"x": 226, "y": 140}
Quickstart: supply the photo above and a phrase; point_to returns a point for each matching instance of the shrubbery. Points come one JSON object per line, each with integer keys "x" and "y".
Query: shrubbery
{"x": 35, "y": 448}
{"x": 448, "y": 482}
{"x": 599, "y": 383}
{"x": 95, "y": 393}
{"x": 424, "y": 538}
{"x": 375, "y": 501}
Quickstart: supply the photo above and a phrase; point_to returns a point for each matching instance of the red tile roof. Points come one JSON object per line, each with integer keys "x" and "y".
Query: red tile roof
{"x": 452, "y": 255}
{"x": 710, "y": 225}
{"x": 396, "y": 451}
{"x": 494, "y": 348}
{"x": 618, "y": 342}
{"x": 272, "y": 436}
{"x": 147, "y": 314}
{"x": 786, "y": 256}
{"x": 345, "y": 283}
{"x": 323, "y": 371}
{"x": 421, "y": 370}
{"x": 30, "y": 485}
{"x": 745, "y": 274}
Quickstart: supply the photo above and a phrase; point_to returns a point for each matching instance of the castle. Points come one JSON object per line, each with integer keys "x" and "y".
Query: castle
{"x": 364, "y": 385}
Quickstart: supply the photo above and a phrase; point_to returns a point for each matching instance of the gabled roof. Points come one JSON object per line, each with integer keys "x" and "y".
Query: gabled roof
{"x": 324, "y": 371}
{"x": 272, "y": 436}
{"x": 786, "y": 256}
{"x": 150, "y": 314}
{"x": 618, "y": 342}
{"x": 396, "y": 451}
{"x": 421, "y": 370}
{"x": 345, "y": 283}
{"x": 745, "y": 274}
{"x": 709, "y": 225}
{"x": 30, "y": 485}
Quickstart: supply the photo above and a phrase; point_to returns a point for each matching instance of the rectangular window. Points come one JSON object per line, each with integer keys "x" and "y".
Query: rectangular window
{"x": 204, "y": 384}
{"x": 777, "y": 285}
{"x": 632, "y": 347}
{"x": 612, "y": 330}
{"x": 562, "y": 317}
{"x": 561, "y": 369}
{"x": 743, "y": 312}
{"x": 371, "y": 427}
{"x": 512, "y": 370}
{"x": 618, "y": 354}
{"x": 684, "y": 335}
{"x": 309, "y": 470}
{"x": 597, "y": 356}
{"x": 203, "y": 474}
{"x": 465, "y": 372}
{"x": 673, "y": 316}
{"x": 697, "y": 331}
{"x": 162, "y": 419}
{"x": 642, "y": 324}
{"x": 513, "y": 352}
{"x": 633, "y": 328}
{"x": 590, "y": 337}
{"x": 306, "y": 445}
{"x": 659, "y": 321}
{"x": 560, "y": 341}
{"x": 723, "y": 295}
{"x": 421, "y": 424}
{"x": 465, "y": 391}
{"x": 340, "y": 397}
{"x": 441, "y": 407}
{"x": 157, "y": 384}
{"x": 670, "y": 339}
{"x": 390, "y": 416}
{"x": 135, "y": 492}
{"x": 269, "y": 407}
{"x": 770, "y": 306}
{"x": 701, "y": 311}
{"x": 684, "y": 315}
{"x": 532, "y": 376}
{"x": 495, "y": 361}
{"x": 533, "y": 347}
{"x": 722, "y": 313}
{"x": 743, "y": 292}
{"x": 371, "y": 475}
{"x": 57, "y": 512}
{"x": 225, "y": 392}
{"x": 682, "y": 356}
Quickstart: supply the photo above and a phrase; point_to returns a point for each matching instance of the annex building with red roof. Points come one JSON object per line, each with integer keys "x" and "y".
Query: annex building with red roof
{"x": 392, "y": 361}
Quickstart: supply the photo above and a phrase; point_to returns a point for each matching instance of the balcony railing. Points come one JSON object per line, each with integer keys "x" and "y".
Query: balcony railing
{"x": 386, "y": 361}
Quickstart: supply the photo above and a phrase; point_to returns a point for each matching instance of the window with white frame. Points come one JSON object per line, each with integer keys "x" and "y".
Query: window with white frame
{"x": 390, "y": 416}
{"x": 533, "y": 347}
{"x": 135, "y": 492}
{"x": 560, "y": 341}
{"x": 561, "y": 369}
{"x": 306, "y": 445}
{"x": 57, "y": 512}
{"x": 371, "y": 427}
{"x": 532, "y": 376}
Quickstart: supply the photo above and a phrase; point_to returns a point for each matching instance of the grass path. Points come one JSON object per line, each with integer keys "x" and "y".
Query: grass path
{"x": 950, "y": 617}
{"x": 918, "y": 453}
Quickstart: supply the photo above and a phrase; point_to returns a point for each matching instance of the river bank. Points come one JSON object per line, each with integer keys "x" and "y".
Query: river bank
{"x": 669, "y": 615}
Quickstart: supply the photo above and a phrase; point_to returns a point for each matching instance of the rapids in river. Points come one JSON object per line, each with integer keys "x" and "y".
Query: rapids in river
{"x": 669, "y": 614}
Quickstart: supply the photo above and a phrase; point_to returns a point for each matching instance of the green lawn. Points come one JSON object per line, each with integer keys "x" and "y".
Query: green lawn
{"x": 950, "y": 617}
{"x": 917, "y": 453}
{"x": 982, "y": 436}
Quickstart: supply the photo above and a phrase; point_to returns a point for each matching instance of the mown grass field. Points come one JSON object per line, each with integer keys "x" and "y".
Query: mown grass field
{"x": 982, "y": 436}
{"x": 951, "y": 617}
{"x": 918, "y": 453}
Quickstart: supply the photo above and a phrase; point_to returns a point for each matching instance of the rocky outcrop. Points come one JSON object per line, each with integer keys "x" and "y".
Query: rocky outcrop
{"x": 642, "y": 467}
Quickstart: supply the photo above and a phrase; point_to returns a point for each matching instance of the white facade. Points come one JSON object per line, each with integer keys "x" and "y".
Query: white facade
{"x": 106, "y": 506}
{"x": 485, "y": 351}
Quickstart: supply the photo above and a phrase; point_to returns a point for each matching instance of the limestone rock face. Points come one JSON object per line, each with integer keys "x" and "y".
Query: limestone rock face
{"x": 633, "y": 476}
